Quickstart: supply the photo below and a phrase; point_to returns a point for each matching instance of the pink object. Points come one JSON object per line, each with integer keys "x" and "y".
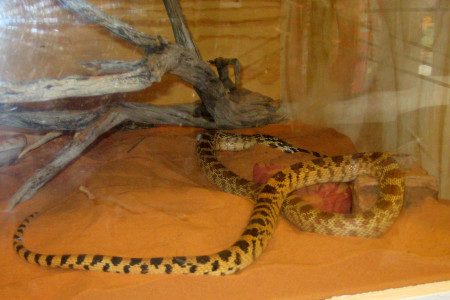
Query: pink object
{"x": 331, "y": 197}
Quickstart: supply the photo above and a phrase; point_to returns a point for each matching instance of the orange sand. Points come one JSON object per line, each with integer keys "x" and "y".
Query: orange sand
{"x": 153, "y": 201}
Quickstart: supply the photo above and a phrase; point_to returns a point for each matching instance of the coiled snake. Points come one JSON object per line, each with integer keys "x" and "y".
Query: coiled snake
{"x": 269, "y": 201}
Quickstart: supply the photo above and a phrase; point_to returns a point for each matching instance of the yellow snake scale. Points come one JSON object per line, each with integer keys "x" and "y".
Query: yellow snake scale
{"x": 269, "y": 201}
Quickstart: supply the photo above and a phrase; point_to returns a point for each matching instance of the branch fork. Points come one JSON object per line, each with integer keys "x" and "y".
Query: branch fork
{"x": 222, "y": 105}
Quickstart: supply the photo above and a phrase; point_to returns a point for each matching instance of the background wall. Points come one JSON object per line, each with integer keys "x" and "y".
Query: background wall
{"x": 39, "y": 38}
{"x": 376, "y": 70}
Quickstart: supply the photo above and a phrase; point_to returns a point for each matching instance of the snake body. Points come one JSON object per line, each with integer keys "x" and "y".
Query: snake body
{"x": 370, "y": 224}
{"x": 269, "y": 199}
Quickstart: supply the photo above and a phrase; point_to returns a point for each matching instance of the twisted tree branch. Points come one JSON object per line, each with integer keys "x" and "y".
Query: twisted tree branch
{"x": 223, "y": 104}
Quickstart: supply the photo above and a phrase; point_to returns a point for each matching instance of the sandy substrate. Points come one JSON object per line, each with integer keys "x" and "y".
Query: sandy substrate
{"x": 153, "y": 201}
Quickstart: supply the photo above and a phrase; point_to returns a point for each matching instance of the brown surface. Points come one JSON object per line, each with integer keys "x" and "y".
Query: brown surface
{"x": 154, "y": 201}
{"x": 352, "y": 66}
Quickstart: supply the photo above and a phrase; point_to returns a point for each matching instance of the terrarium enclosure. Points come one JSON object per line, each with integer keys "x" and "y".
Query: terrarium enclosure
{"x": 102, "y": 101}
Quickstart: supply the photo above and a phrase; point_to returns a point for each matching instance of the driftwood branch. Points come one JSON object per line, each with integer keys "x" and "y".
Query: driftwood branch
{"x": 68, "y": 153}
{"x": 179, "y": 115}
{"x": 222, "y": 103}
{"x": 181, "y": 31}
{"x": 42, "y": 90}
{"x": 120, "y": 29}
{"x": 45, "y": 139}
{"x": 114, "y": 116}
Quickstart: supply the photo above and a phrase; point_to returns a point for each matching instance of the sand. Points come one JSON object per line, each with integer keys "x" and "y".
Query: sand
{"x": 153, "y": 201}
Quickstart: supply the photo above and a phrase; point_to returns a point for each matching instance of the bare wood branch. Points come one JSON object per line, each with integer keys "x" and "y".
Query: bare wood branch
{"x": 113, "y": 65}
{"x": 222, "y": 68}
{"x": 252, "y": 109}
{"x": 68, "y": 153}
{"x": 45, "y": 139}
{"x": 174, "y": 58}
{"x": 49, "y": 120}
{"x": 222, "y": 105}
{"x": 179, "y": 26}
{"x": 181, "y": 115}
{"x": 176, "y": 115}
{"x": 205, "y": 81}
{"x": 78, "y": 86}
{"x": 90, "y": 12}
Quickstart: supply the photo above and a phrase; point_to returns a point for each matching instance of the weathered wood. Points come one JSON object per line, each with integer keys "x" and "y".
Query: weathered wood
{"x": 68, "y": 153}
{"x": 179, "y": 26}
{"x": 45, "y": 139}
{"x": 222, "y": 68}
{"x": 136, "y": 78}
{"x": 90, "y": 12}
{"x": 49, "y": 120}
{"x": 222, "y": 104}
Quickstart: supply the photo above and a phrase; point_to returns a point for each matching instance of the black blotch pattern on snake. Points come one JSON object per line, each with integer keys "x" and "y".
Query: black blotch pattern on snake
{"x": 269, "y": 199}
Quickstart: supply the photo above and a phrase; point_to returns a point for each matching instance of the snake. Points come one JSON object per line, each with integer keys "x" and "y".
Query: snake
{"x": 269, "y": 203}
